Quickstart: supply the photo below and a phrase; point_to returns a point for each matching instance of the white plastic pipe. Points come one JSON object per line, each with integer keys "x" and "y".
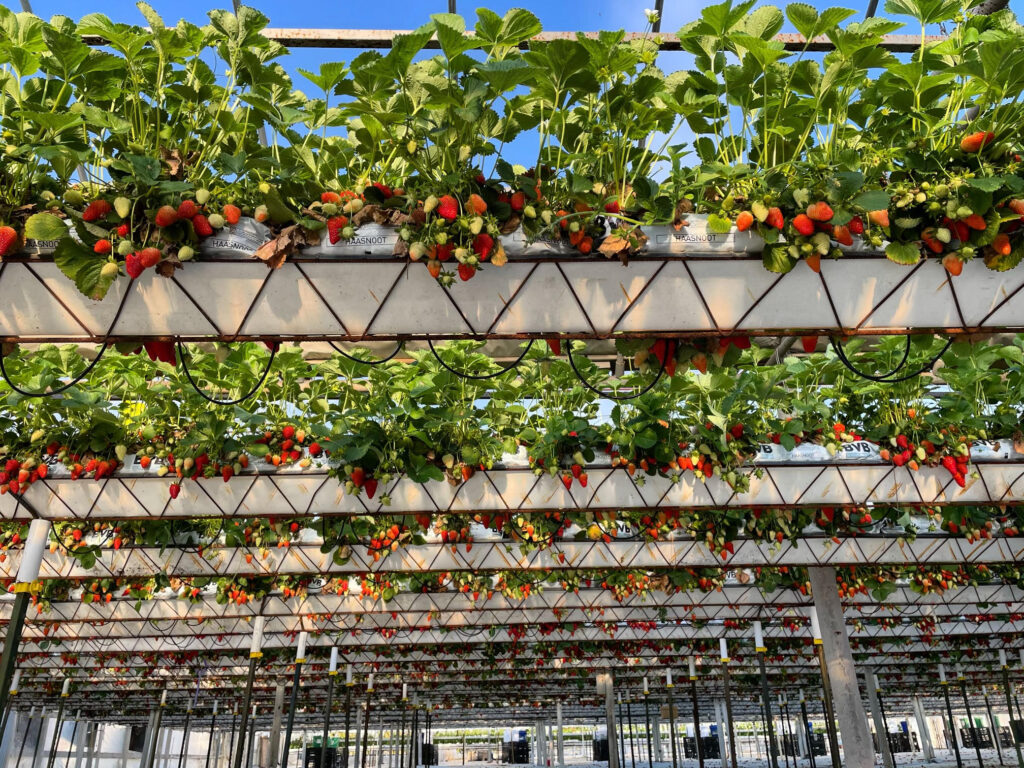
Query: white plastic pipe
{"x": 16, "y": 681}
{"x": 646, "y": 689}
{"x": 723, "y": 646}
{"x": 693, "y": 668}
{"x": 942, "y": 674}
{"x": 300, "y": 652}
{"x": 66, "y": 690}
{"x": 668, "y": 678}
{"x": 815, "y": 627}
{"x": 334, "y": 661}
{"x": 257, "y": 635}
{"x": 759, "y": 645}
{"x": 32, "y": 554}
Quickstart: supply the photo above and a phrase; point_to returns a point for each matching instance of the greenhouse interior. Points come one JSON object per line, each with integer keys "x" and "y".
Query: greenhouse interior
{"x": 638, "y": 475}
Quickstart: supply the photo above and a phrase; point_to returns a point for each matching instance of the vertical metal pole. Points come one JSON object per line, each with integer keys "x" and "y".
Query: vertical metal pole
{"x": 1009, "y": 709}
{"x": 952, "y": 725}
{"x": 213, "y": 730}
{"x": 647, "y": 723}
{"x": 787, "y": 727}
{"x": 246, "y": 703}
{"x": 39, "y": 736}
{"x": 632, "y": 738}
{"x": 74, "y": 732}
{"x": 826, "y": 698}
{"x": 151, "y": 761}
{"x": 56, "y": 730}
{"x": 184, "y": 737}
{"x": 807, "y": 727}
{"x": 11, "y": 641}
{"x": 28, "y": 728}
{"x": 252, "y": 738}
{"x": 231, "y": 740}
{"x": 888, "y": 757}
{"x": 728, "y": 705}
{"x": 327, "y": 720}
{"x": 696, "y": 714}
{"x": 994, "y": 725}
{"x": 766, "y": 701}
{"x": 401, "y": 739}
{"x": 622, "y": 734}
{"x": 672, "y": 728}
{"x": 366, "y": 733}
{"x": 348, "y": 719}
{"x": 970, "y": 717}
{"x": 292, "y": 703}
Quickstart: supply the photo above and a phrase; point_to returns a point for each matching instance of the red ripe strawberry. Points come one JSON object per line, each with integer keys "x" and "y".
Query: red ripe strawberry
{"x": 334, "y": 226}
{"x": 370, "y": 487}
{"x": 288, "y": 432}
{"x": 744, "y": 221}
{"x": 479, "y": 178}
{"x": 448, "y": 208}
{"x": 583, "y": 479}
{"x": 841, "y": 234}
{"x": 231, "y": 213}
{"x": 856, "y": 225}
{"x": 567, "y": 482}
{"x": 976, "y": 221}
{"x": 809, "y": 343}
{"x": 150, "y": 257}
{"x": 802, "y": 223}
{"x": 226, "y": 472}
{"x": 325, "y": 197}
{"x": 175, "y": 489}
{"x": 736, "y": 431}
{"x": 166, "y": 216}
{"x": 576, "y": 470}
{"x": 467, "y": 471}
{"x": 133, "y": 265}
{"x": 820, "y": 211}
{"x": 612, "y": 207}
{"x": 187, "y": 209}
{"x": 466, "y": 272}
{"x": 879, "y": 218}
{"x": 358, "y": 477}
{"x": 555, "y": 345}
{"x": 482, "y": 245}
{"x": 8, "y": 240}
{"x": 315, "y": 449}
{"x": 161, "y": 350}
{"x": 384, "y": 190}
{"x": 476, "y": 204}
{"x": 122, "y": 230}
{"x": 444, "y": 252}
{"x": 775, "y": 218}
{"x": 201, "y": 225}
{"x": 102, "y": 247}
{"x": 953, "y": 264}
{"x": 96, "y": 210}
{"x": 434, "y": 268}
{"x": 517, "y": 201}
{"x": 974, "y": 142}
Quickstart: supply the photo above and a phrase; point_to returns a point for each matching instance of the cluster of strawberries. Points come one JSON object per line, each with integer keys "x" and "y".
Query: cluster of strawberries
{"x": 18, "y": 475}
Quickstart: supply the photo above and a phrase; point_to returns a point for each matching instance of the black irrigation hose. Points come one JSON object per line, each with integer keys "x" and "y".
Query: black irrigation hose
{"x": 354, "y": 359}
{"x": 64, "y": 388}
{"x": 236, "y": 401}
{"x": 480, "y": 377}
{"x": 887, "y": 378}
{"x": 592, "y": 388}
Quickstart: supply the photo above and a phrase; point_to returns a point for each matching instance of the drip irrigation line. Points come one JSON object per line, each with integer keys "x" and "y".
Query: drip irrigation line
{"x": 354, "y": 359}
{"x": 236, "y": 401}
{"x": 592, "y": 388}
{"x": 480, "y": 377}
{"x": 887, "y": 378}
{"x": 59, "y": 390}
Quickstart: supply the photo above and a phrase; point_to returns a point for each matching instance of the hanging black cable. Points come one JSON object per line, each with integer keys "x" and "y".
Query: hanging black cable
{"x": 592, "y": 388}
{"x": 480, "y": 377}
{"x": 237, "y": 400}
{"x": 62, "y": 388}
{"x": 887, "y": 378}
{"x": 355, "y": 359}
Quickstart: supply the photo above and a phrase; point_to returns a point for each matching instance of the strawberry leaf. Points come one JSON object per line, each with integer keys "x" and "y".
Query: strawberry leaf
{"x": 45, "y": 226}
{"x": 1000, "y": 263}
{"x": 83, "y": 267}
{"x": 776, "y": 258}
{"x": 903, "y": 253}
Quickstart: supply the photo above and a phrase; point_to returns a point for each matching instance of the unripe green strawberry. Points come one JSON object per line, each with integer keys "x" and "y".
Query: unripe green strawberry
{"x": 546, "y": 215}
{"x": 430, "y": 204}
{"x": 760, "y": 210}
{"x": 441, "y": 238}
{"x": 120, "y": 451}
{"x": 203, "y": 196}
{"x": 943, "y": 235}
{"x": 348, "y": 233}
{"x": 38, "y": 435}
{"x": 355, "y": 205}
{"x": 411, "y": 146}
{"x": 186, "y": 253}
{"x": 123, "y": 206}
{"x": 74, "y": 197}
{"x": 109, "y": 271}
{"x": 216, "y": 220}
{"x": 461, "y": 255}
{"x": 417, "y": 251}
{"x": 476, "y": 224}
{"x": 530, "y": 212}
{"x": 264, "y": 188}
{"x": 329, "y": 209}
{"x": 125, "y": 247}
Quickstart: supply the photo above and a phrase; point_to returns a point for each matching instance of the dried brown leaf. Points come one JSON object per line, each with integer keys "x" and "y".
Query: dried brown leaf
{"x": 167, "y": 265}
{"x": 276, "y": 251}
{"x": 511, "y": 225}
